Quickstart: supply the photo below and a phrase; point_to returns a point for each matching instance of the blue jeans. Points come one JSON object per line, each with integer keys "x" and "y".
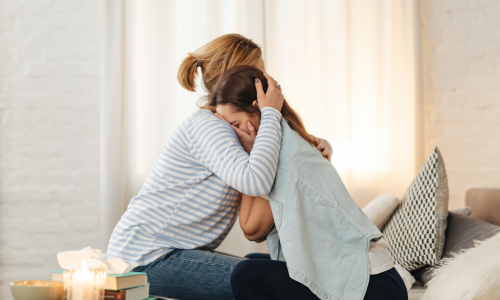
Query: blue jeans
{"x": 192, "y": 275}
{"x": 260, "y": 278}
{"x": 206, "y": 275}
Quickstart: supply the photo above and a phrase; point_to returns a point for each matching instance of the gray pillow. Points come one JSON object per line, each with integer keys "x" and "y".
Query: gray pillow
{"x": 461, "y": 233}
{"x": 463, "y": 211}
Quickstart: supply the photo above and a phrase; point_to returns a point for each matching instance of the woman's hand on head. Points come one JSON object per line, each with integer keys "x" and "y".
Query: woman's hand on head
{"x": 322, "y": 147}
{"x": 273, "y": 98}
{"x": 246, "y": 140}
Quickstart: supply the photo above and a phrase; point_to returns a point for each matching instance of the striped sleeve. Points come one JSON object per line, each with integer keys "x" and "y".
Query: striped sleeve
{"x": 214, "y": 143}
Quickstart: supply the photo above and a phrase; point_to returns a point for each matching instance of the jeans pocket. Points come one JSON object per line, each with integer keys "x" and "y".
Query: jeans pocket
{"x": 151, "y": 265}
{"x": 164, "y": 256}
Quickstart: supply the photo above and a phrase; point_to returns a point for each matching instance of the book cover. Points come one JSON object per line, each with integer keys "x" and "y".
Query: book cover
{"x": 115, "y": 281}
{"x": 137, "y": 293}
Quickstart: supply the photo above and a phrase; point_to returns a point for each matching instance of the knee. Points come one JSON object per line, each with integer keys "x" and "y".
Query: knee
{"x": 241, "y": 272}
{"x": 238, "y": 279}
{"x": 258, "y": 256}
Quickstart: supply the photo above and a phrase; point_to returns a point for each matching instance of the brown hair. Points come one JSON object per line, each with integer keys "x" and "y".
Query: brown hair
{"x": 236, "y": 87}
{"x": 215, "y": 58}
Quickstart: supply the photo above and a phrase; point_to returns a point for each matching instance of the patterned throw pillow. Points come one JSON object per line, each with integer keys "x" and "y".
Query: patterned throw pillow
{"x": 416, "y": 231}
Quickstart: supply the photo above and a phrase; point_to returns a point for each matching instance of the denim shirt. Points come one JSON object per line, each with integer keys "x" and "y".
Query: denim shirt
{"x": 324, "y": 236}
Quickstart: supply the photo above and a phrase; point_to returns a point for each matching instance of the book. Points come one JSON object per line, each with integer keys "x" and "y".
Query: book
{"x": 115, "y": 282}
{"x": 137, "y": 293}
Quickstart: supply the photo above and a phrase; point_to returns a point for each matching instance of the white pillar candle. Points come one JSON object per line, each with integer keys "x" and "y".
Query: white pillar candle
{"x": 84, "y": 284}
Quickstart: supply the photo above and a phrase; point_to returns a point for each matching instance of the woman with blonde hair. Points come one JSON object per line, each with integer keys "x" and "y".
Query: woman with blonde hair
{"x": 190, "y": 200}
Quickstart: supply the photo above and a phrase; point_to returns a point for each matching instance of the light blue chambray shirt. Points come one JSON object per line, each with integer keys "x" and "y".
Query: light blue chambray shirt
{"x": 323, "y": 235}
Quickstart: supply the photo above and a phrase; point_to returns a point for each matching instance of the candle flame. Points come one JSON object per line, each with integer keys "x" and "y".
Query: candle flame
{"x": 84, "y": 266}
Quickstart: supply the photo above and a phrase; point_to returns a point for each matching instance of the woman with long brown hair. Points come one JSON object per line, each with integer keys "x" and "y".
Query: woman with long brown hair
{"x": 220, "y": 55}
{"x": 235, "y": 100}
{"x": 190, "y": 200}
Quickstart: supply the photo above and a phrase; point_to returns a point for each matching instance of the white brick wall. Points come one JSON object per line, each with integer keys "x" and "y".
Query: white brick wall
{"x": 49, "y": 133}
{"x": 49, "y": 118}
{"x": 461, "y": 89}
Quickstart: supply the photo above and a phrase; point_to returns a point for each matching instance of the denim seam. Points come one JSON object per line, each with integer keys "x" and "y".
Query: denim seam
{"x": 163, "y": 255}
{"x": 280, "y": 212}
{"x": 202, "y": 262}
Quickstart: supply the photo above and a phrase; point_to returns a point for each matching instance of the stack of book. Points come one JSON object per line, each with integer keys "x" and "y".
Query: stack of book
{"x": 128, "y": 286}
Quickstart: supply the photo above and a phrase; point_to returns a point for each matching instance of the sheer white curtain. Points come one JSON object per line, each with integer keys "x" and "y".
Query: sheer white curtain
{"x": 345, "y": 66}
{"x": 348, "y": 68}
{"x": 142, "y": 102}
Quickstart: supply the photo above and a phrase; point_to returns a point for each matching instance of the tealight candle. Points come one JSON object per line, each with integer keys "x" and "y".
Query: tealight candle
{"x": 84, "y": 284}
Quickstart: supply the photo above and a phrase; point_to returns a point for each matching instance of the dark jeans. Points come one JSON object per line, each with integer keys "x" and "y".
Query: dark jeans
{"x": 192, "y": 275}
{"x": 205, "y": 275}
{"x": 260, "y": 278}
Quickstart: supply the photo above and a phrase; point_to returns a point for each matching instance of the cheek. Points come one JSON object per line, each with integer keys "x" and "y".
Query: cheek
{"x": 256, "y": 122}
{"x": 243, "y": 127}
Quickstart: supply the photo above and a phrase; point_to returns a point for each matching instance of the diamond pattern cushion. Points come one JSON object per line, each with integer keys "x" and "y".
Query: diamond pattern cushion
{"x": 416, "y": 231}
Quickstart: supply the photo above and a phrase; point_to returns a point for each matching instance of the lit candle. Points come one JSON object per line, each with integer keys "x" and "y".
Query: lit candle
{"x": 84, "y": 284}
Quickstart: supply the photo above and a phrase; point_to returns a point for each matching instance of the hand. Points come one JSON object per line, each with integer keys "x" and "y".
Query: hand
{"x": 322, "y": 147}
{"x": 246, "y": 140}
{"x": 273, "y": 98}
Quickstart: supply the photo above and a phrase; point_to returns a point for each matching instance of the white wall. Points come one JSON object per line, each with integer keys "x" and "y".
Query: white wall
{"x": 49, "y": 133}
{"x": 49, "y": 118}
{"x": 461, "y": 90}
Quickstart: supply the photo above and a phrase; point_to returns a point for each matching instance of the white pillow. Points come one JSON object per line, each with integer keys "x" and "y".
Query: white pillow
{"x": 469, "y": 274}
{"x": 380, "y": 209}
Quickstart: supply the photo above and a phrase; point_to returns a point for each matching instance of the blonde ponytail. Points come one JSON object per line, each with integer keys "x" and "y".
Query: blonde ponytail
{"x": 188, "y": 72}
{"x": 215, "y": 58}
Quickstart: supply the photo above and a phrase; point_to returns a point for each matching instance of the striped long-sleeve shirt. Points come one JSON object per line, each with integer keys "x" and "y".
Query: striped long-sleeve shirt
{"x": 190, "y": 199}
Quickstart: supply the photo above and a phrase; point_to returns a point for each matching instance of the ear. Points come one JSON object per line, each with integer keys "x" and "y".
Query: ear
{"x": 254, "y": 103}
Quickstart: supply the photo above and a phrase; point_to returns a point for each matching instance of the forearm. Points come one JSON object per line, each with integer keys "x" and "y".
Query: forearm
{"x": 215, "y": 144}
{"x": 256, "y": 217}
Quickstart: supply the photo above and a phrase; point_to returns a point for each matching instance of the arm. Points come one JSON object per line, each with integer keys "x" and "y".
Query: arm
{"x": 215, "y": 144}
{"x": 256, "y": 217}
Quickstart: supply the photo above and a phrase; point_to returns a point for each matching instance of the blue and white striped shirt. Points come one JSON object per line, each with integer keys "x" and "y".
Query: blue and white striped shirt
{"x": 190, "y": 199}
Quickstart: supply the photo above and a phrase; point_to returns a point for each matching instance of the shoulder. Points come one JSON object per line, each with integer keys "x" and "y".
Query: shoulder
{"x": 204, "y": 122}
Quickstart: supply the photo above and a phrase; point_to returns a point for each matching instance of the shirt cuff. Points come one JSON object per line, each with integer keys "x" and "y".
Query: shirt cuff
{"x": 271, "y": 111}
